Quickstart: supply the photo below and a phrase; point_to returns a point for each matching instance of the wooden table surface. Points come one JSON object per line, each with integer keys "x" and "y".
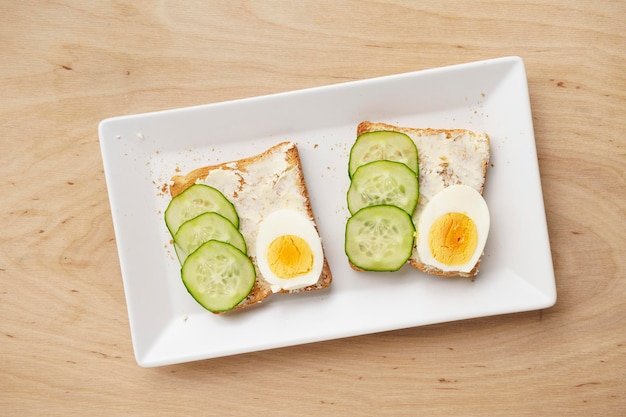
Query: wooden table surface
{"x": 65, "y": 346}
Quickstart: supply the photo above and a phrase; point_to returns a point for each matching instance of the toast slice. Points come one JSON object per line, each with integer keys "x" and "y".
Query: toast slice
{"x": 257, "y": 186}
{"x": 446, "y": 157}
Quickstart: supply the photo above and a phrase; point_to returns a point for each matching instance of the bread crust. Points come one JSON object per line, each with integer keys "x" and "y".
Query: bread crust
{"x": 262, "y": 289}
{"x": 414, "y": 261}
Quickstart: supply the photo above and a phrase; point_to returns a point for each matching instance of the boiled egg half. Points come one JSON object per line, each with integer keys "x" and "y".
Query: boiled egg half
{"x": 289, "y": 250}
{"x": 453, "y": 229}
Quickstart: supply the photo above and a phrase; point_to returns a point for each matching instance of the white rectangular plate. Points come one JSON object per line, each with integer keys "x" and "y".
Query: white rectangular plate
{"x": 142, "y": 152}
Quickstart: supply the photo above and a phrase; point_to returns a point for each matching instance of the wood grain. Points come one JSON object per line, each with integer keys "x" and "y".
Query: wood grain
{"x": 65, "y": 347}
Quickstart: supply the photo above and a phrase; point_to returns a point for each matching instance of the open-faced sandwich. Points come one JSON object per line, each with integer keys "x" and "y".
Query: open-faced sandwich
{"x": 245, "y": 229}
{"x": 416, "y": 196}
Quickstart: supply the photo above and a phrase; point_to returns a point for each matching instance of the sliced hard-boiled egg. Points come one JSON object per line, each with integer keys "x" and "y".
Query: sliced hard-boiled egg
{"x": 453, "y": 229}
{"x": 289, "y": 250}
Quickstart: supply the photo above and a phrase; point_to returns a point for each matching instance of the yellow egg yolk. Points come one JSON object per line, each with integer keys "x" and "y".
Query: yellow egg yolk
{"x": 289, "y": 256}
{"x": 453, "y": 238}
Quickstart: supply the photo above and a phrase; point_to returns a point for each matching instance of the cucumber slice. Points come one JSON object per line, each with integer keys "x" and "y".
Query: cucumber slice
{"x": 383, "y": 144}
{"x": 218, "y": 276}
{"x": 195, "y": 200}
{"x": 205, "y": 227}
{"x": 383, "y": 183}
{"x": 379, "y": 238}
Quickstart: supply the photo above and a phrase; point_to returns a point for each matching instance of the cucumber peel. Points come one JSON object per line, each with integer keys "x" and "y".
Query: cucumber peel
{"x": 379, "y": 238}
{"x": 218, "y": 276}
{"x": 383, "y": 145}
{"x": 383, "y": 182}
{"x": 195, "y": 200}
{"x": 207, "y": 226}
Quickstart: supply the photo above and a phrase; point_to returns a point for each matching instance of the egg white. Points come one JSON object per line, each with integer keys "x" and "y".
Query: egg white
{"x": 288, "y": 222}
{"x": 453, "y": 199}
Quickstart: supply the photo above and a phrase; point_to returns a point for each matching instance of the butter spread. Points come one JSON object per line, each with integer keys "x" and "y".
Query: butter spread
{"x": 267, "y": 185}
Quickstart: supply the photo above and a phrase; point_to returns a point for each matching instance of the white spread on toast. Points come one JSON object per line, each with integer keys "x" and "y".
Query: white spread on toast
{"x": 460, "y": 161}
{"x": 269, "y": 184}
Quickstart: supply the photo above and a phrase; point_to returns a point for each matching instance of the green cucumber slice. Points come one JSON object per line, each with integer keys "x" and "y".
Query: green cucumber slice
{"x": 195, "y": 200}
{"x": 379, "y": 238}
{"x": 218, "y": 276}
{"x": 205, "y": 227}
{"x": 383, "y": 144}
{"x": 383, "y": 183}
